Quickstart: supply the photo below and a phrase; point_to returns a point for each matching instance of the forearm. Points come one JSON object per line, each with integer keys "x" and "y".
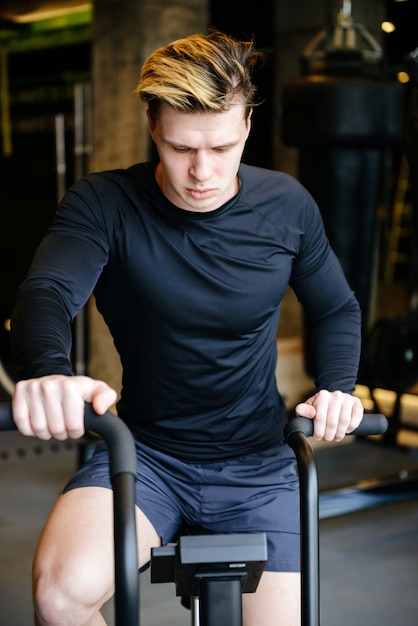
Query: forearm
{"x": 41, "y": 333}
{"x": 335, "y": 346}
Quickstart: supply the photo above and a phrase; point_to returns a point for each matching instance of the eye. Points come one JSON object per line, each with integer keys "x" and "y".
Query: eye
{"x": 180, "y": 149}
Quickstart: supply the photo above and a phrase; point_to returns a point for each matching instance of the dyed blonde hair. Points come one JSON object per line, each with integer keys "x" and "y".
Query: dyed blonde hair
{"x": 199, "y": 73}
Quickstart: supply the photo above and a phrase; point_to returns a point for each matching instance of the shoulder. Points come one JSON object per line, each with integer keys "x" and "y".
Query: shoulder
{"x": 104, "y": 201}
{"x": 117, "y": 181}
{"x": 278, "y": 194}
{"x": 111, "y": 191}
{"x": 265, "y": 183}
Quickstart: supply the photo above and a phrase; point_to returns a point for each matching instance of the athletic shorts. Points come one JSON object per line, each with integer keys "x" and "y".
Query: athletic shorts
{"x": 257, "y": 492}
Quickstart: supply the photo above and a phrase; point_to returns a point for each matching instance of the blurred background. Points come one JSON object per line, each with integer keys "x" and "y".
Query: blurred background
{"x": 340, "y": 113}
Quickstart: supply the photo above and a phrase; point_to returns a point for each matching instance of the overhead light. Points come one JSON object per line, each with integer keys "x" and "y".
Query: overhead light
{"x": 403, "y": 77}
{"x": 388, "y": 27}
{"x": 48, "y": 13}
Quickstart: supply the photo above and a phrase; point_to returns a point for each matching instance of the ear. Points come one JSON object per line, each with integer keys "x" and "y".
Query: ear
{"x": 248, "y": 121}
{"x": 150, "y": 123}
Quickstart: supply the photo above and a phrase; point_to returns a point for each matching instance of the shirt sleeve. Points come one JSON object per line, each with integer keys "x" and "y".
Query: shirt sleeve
{"x": 62, "y": 276}
{"x": 332, "y": 312}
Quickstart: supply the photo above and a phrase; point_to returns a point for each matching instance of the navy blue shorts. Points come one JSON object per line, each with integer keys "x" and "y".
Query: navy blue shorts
{"x": 257, "y": 492}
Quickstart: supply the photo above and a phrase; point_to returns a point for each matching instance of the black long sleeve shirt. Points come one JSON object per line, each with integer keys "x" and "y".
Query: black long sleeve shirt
{"x": 192, "y": 301}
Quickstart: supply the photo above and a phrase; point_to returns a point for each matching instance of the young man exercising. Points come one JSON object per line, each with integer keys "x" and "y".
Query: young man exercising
{"x": 189, "y": 258}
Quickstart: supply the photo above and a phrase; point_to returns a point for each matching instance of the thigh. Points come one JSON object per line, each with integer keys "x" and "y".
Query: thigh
{"x": 155, "y": 487}
{"x": 76, "y": 545}
{"x": 276, "y": 601}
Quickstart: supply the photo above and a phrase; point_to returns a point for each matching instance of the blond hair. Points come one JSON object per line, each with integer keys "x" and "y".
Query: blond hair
{"x": 199, "y": 73}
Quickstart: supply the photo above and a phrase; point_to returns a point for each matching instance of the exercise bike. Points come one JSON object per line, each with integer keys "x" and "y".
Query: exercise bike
{"x": 212, "y": 570}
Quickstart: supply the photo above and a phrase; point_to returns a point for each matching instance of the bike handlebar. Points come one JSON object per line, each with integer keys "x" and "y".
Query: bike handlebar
{"x": 297, "y": 431}
{"x": 122, "y": 470}
{"x": 122, "y": 459}
{"x": 371, "y": 424}
{"x": 119, "y": 439}
{"x": 108, "y": 426}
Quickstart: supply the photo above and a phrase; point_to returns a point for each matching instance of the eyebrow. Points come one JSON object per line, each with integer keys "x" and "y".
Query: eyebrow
{"x": 176, "y": 144}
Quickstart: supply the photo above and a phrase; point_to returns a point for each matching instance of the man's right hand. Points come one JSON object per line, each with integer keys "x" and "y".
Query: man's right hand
{"x": 53, "y": 406}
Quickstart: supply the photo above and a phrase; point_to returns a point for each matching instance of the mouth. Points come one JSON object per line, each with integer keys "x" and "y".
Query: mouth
{"x": 200, "y": 194}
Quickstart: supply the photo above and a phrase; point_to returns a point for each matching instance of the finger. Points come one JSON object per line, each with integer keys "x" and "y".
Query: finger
{"x": 103, "y": 397}
{"x": 42, "y": 398}
{"x": 344, "y": 415}
{"x": 78, "y": 390}
{"x": 338, "y": 416}
{"x": 21, "y": 411}
{"x": 73, "y": 408}
{"x": 55, "y": 393}
{"x": 37, "y": 414}
{"x": 357, "y": 415}
{"x": 344, "y": 419}
{"x": 324, "y": 421}
{"x": 304, "y": 409}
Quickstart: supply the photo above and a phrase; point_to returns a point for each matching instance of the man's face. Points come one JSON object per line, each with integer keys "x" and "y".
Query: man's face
{"x": 199, "y": 155}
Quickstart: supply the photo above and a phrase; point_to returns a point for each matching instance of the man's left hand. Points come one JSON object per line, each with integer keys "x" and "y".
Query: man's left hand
{"x": 334, "y": 413}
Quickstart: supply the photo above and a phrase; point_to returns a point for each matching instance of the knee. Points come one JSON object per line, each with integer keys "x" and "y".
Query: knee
{"x": 64, "y": 595}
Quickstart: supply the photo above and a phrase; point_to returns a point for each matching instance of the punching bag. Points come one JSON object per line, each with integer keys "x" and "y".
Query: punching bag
{"x": 343, "y": 115}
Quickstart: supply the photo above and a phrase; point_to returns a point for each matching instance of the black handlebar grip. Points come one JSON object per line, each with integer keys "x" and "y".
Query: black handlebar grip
{"x": 118, "y": 438}
{"x": 109, "y": 427}
{"x": 371, "y": 424}
{"x": 6, "y": 417}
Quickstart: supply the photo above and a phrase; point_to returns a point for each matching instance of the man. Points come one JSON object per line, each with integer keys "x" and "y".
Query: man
{"x": 189, "y": 259}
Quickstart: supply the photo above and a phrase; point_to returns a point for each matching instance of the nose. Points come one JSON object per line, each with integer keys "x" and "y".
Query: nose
{"x": 200, "y": 166}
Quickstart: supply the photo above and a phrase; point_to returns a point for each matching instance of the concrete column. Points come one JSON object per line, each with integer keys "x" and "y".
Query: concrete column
{"x": 125, "y": 33}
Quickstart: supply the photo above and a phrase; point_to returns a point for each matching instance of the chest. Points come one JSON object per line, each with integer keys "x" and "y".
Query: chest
{"x": 230, "y": 273}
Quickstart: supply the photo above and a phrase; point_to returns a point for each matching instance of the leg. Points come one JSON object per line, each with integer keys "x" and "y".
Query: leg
{"x": 73, "y": 572}
{"x": 276, "y": 601}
